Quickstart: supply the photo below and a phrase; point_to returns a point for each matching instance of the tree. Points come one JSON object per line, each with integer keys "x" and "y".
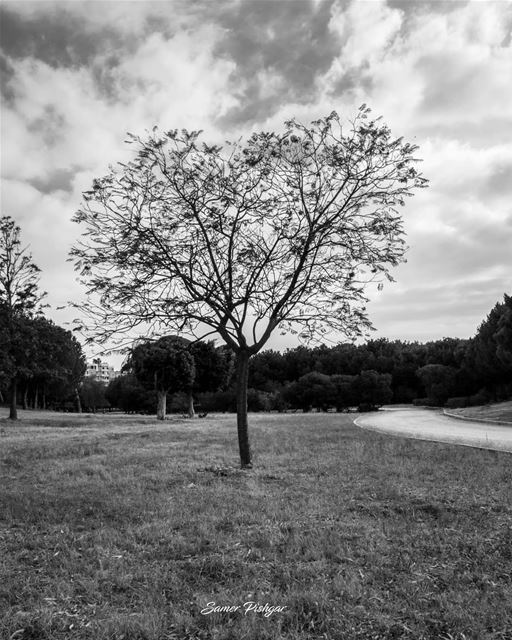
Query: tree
{"x": 212, "y": 369}
{"x": 311, "y": 390}
{"x": 92, "y": 393}
{"x": 19, "y": 300}
{"x": 58, "y": 364}
{"x": 279, "y": 233}
{"x": 344, "y": 395}
{"x": 268, "y": 369}
{"x": 164, "y": 365}
{"x": 126, "y": 393}
{"x": 372, "y": 389}
{"x": 488, "y": 360}
{"x": 439, "y": 381}
{"x": 504, "y": 333}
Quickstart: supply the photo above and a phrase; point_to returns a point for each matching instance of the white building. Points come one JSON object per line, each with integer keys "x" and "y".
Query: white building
{"x": 101, "y": 371}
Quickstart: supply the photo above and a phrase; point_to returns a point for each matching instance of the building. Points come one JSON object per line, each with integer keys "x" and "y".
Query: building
{"x": 101, "y": 371}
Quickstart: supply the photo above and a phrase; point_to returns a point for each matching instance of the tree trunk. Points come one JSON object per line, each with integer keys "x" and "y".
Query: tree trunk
{"x": 25, "y": 398}
{"x": 242, "y": 369}
{"x": 13, "y": 412}
{"x": 162, "y": 404}
{"x": 191, "y": 410}
{"x": 78, "y": 404}
{"x": 36, "y": 398}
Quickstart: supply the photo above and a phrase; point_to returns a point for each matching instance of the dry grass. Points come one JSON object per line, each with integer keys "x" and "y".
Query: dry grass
{"x": 501, "y": 411}
{"x": 125, "y": 528}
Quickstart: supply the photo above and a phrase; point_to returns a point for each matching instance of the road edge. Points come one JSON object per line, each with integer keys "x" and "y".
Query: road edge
{"x": 424, "y": 438}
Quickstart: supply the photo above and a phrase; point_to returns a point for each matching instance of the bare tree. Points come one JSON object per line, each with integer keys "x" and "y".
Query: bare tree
{"x": 282, "y": 232}
{"x": 19, "y": 298}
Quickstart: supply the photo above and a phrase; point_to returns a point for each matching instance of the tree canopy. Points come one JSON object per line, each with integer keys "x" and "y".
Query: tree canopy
{"x": 164, "y": 365}
{"x": 281, "y": 232}
{"x": 19, "y": 300}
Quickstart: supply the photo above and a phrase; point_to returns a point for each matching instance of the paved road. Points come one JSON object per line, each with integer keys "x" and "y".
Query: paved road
{"x": 425, "y": 424}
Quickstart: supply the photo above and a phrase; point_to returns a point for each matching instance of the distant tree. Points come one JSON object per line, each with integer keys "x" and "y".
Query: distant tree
{"x": 267, "y": 369}
{"x": 503, "y": 333}
{"x": 126, "y": 393}
{"x": 439, "y": 382}
{"x": 372, "y": 389}
{"x": 212, "y": 367}
{"x": 406, "y": 385}
{"x": 57, "y": 363}
{"x": 298, "y": 362}
{"x": 164, "y": 365}
{"x": 488, "y": 360}
{"x": 92, "y": 394}
{"x": 312, "y": 390}
{"x": 279, "y": 233}
{"x": 448, "y": 351}
{"x": 19, "y": 300}
{"x": 344, "y": 391}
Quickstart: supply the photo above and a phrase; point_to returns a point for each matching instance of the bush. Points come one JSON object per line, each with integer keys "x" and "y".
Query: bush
{"x": 457, "y": 403}
{"x": 312, "y": 390}
{"x": 217, "y": 401}
{"x": 258, "y": 400}
{"x": 277, "y": 402}
{"x": 482, "y": 397}
{"x": 424, "y": 402}
{"x": 372, "y": 389}
{"x": 366, "y": 406}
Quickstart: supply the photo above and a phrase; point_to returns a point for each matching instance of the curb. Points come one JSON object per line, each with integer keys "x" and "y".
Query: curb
{"x": 482, "y": 420}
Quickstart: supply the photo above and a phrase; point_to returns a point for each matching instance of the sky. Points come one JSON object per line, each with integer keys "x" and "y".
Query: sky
{"x": 76, "y": 76}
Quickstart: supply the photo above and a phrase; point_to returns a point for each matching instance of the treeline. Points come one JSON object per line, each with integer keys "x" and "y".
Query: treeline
{"x": 42, "y": 365}
{"x": 449, "y": 372}
{"x": 46, "y": 366}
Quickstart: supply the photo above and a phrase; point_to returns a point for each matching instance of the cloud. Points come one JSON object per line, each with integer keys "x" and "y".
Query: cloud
{"x": 60, "y": 130}
{"x": 76, "y": 76}
{"x": 279, "y": 49}
{"x": 60, "y": 118}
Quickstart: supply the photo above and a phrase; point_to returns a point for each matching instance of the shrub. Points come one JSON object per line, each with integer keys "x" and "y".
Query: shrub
{"x": 424, "y": 402}
{"x": 457, "y": 403}
{"x": 482, "y": 397}
{"x": 366, "y": 406}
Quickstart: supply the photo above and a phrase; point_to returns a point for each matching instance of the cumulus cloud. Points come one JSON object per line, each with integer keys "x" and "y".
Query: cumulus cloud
{"x": 76, "y": 76}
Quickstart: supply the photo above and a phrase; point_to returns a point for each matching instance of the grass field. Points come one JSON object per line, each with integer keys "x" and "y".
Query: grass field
{"x": 125, "y": 528}
{"x": 501, "y": 411}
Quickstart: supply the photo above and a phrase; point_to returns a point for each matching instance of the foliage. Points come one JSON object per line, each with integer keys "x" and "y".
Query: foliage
{"x": 213, "y": 366}
{"x": 49, "y": 362}
{"x": 281, "y": 232}
{"x": 164, "y": 365}
{"x": 503, "y": 335}
{"x": 19, "y": 276}
{"x": 275, "y": 232}
{"x": 57, "y": 365}
{"x": 344, "y": 395}
{"x": 438, "y": 381}
{"x": 372, "y": 389}
{"x": 126, "y": 393}
{"x": 311, "y": 390}
{"x": 488, "y": 361}
{"x": 92, "y": 395}
{"x": 19, "y": 300}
